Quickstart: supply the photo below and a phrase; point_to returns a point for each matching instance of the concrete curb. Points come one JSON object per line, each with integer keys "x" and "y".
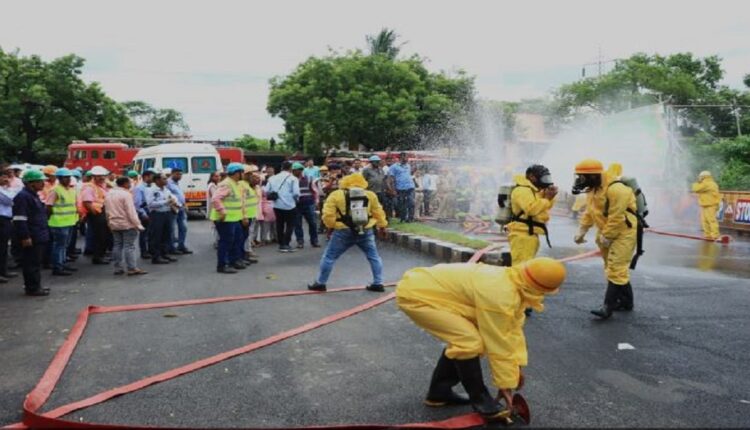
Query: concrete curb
{"x": 446, "y": 251}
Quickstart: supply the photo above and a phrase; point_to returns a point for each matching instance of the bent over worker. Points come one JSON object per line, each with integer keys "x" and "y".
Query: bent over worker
{"x": 610, "y": 206}
{"x": 476, "y": 310}
{"x": 708, "y": 199}
{"x": 352, "y": 213}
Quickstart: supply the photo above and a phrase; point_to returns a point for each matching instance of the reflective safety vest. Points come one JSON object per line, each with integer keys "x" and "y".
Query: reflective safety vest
{"x": 251, "y": 201}
{"x": 232, "y": 203}
{"x": 64, "y": 213}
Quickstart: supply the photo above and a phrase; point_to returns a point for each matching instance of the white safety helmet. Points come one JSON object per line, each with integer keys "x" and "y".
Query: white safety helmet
{"x": 99, "y": 171}
{"x": 704, "y": 174}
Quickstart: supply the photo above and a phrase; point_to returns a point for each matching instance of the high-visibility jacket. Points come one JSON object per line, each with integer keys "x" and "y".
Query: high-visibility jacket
{"x": 250, "y": 201}
{"x": 64, "y": 213}
{"x": 232, "y": 203}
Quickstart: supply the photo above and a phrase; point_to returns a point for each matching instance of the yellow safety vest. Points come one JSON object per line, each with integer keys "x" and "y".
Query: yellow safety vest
{"x": 232, "y": 203}
{"x": 64, "y": 211}
{"x": 251, "y": 201}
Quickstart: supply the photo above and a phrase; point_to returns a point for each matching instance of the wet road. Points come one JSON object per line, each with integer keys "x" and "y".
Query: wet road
{"x": 689, "y": 333}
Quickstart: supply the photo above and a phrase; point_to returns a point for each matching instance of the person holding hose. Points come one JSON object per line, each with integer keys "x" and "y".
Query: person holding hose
{"x": 477, "y": 309}
{"x": 708, "y": 199}
{"x": 611, "y": 207}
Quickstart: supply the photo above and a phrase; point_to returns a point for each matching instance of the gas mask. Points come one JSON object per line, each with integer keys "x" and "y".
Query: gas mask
{"x": 586, "y": 182}
{"x": 542, "y": 175}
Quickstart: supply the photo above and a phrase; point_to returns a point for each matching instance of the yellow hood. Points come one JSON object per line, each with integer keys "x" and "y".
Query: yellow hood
{"x": 521, "y": 180}
{"x": 531, "y": 297}
{"x": 355, "y": 180}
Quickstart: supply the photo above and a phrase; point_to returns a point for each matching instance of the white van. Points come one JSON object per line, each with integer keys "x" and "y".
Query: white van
{"x": 197, "y": 161}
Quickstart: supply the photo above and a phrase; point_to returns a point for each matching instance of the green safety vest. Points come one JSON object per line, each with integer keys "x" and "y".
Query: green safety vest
{"x": 232, "y": 203}
{"x": 251, "y": 202}
{"x": 64, "y": 211}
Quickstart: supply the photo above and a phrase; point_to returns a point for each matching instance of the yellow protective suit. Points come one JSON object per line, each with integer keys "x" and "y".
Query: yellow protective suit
{"x": 526, "y": 201}
{"x": 618, "y": 226}
{"x": 476, "y": 309}
{"x": 335, "y": 204}
{"x": 708, "y": 199}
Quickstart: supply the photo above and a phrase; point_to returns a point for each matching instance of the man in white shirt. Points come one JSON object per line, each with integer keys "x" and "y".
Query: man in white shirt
{"x": 429, "y": 188}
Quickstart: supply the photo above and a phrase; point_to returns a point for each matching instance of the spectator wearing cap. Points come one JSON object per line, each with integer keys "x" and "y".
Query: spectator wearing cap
{"x": 141, "y": 208}
{"x": 62, "y": 218}
{"x": 159, "y": 202}
{"x": 49, "y": 172}
{"x": 124, "y": 223}
{"x": 73, "y": 251}
{"x": 305, "y": 208}
{"x": 179, "y": 223}
{"x": 93, "y": 200}
{"x": 7, "y": 194}
{"x": 404, "y": 185}
{"x": 375, "y": 177}
{"x": 31, "y": 231}
{"x": 134, "y": 179}
{"x": 285, "y": 188}
{"x": 226, "y": 213}
{"x": 250, "y": 203}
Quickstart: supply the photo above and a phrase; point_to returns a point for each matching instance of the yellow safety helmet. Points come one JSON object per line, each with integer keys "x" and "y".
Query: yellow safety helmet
{"x": 704, "y": 174}
{"x": 49, "y": 170}
{"x": 589, "y": 165}
{"x": 544, "y": 274}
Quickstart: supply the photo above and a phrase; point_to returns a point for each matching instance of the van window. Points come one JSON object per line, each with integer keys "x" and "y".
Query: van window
{"x": 203, "y": 164}
{"x": 108, "y": 155}
{"x": 148, "y": 163}
{"x": 94, "y": 154}
{"x": 175, "y": 163}
{"x": 79, "y": 155}
{"x": 137, "y": 166}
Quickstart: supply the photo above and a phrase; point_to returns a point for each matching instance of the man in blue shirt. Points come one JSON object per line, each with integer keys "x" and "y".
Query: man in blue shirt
{"x": 31, "y": 231}
{"x": 139, "y": 198}
{"x": 7, "y": 193}
{"x": 286, "y": 188}
{"x": 404, "y": 188}
{"x": 179, "y": 225}
{"x": 160, "y": 204}
{"x": 311, "y": 170}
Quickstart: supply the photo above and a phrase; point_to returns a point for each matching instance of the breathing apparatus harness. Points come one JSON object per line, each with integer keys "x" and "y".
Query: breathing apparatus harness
{"x": 640, "y": 215}
{"x": 529, "y": 221}
{"x": 356, "y": 215}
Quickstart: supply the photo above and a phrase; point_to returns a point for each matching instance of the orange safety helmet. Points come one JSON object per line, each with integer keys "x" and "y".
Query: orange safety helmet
{"x": 544, "y": 274}
{"x": 589, "y": 166}
{"x": 49, "y": 170}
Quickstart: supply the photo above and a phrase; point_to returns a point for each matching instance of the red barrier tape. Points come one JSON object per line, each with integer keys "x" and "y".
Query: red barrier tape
{"x": 723, "y": 239}
{"x": 40, "y": 394}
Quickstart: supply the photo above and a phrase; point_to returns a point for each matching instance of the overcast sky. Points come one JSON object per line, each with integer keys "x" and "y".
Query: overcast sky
{"x": 212, "y": 59}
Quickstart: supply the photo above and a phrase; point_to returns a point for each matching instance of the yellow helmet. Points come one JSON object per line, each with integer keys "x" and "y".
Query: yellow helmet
{"x": 589, "y": 165}
{"x": 704, "y": 174}
{"x": 544, "y": 274}
{"x": 49, "y": 170}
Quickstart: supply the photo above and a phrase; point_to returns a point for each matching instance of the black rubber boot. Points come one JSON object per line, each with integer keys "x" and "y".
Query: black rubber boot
{"x": 626, "y": 298}
{"x": 316, "y": 287}
{"x": 444, "y": 378}
{"x": 611, "y": 298}
{"x": 470, "y": 374}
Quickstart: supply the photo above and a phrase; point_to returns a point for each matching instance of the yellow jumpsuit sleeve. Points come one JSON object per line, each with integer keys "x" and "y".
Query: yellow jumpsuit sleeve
{"x": 700, "y": 187}
{"x": 620, "y": 198}
{"x": 525, "y": 200}
{"x": 505, "y": 346}
{"x": 330, "y": 214}
{"x": 587, "y": 219}
{"x": 376, "y": 211}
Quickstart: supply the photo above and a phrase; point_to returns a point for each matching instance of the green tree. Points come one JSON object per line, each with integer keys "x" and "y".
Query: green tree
{"x": 251, "y": 143}
{"x": 156, "y": 122}
{"x": 45, "y": 105}
{"x": 369, "y": 100}
{"x": 384, "y": 43}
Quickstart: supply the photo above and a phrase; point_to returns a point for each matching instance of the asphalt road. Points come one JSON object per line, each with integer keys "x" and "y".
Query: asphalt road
{"x": 688, "y": 368}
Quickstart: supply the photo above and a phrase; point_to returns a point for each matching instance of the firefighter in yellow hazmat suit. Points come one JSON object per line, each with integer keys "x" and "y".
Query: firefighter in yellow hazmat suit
{"x": 708, "y": 199}
{"x": 610, "y": 206}
{"x": 476, "y": 310}
{"x": 530, "y": 201}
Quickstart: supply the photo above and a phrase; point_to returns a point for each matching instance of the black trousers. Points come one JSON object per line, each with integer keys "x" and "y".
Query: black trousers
{"x": 160, "y": 233}
{"x": 102, "y": 235}
{"x": 143, "y": 241}
{"x": 31, "y": 262}
{"x": 285, "y": 225}
{"x": 6, "y": 229}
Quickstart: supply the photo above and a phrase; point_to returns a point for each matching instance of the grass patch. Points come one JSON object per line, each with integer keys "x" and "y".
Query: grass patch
{"x": 436, "y": 233}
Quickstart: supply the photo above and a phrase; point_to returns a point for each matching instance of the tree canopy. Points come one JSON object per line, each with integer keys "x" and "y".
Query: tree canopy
{"x": 370, "y": 100}
{"x": 155, "y": 122}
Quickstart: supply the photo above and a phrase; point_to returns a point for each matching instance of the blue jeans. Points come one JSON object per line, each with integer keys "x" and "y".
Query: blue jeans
{"x": 405, "y": 205}
{"x": 341, "y": 240}
{"x": 60, "y": 238}
{"x": 306, "y": 211}
{"x": 230, "y": 234}
{"x": 179, "y": 230}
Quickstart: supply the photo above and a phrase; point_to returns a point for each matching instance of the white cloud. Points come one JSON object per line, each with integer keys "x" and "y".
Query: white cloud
{"x": 212, "y": 60}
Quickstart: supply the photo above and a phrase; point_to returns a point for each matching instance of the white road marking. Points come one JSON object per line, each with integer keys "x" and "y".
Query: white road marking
{"x": 623, "y": 346}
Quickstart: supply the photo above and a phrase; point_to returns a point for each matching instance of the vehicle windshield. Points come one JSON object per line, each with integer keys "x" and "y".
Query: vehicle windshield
{"x": 175, "y": 163}
{"x": 203, "y": 164}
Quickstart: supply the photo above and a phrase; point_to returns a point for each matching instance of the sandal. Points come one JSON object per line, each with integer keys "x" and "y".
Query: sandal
{"x": 135, "y": 272}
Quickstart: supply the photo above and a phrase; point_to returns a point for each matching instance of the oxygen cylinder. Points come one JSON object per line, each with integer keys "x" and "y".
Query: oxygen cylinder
{"x": 357, "y": 208}
{"x": 504, "y": 214}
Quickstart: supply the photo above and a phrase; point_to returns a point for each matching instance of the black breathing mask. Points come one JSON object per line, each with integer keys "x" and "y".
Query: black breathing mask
{"x": 586, "y": 182}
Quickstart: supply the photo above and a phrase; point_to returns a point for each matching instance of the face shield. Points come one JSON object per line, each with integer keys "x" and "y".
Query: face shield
{"x": 585, "y": 183}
